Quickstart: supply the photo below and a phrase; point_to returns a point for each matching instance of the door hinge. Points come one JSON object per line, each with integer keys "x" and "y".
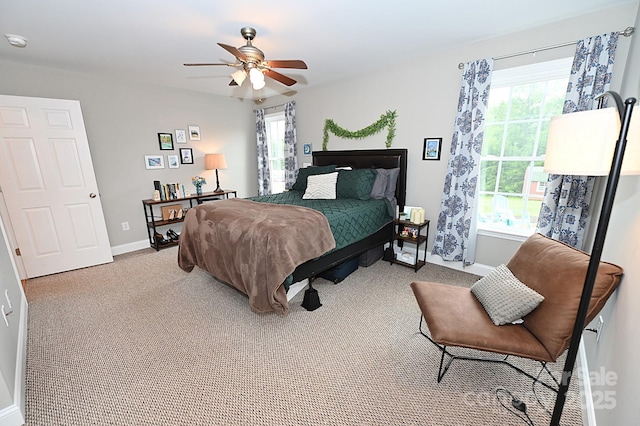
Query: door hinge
{"x": 18, "y": 252}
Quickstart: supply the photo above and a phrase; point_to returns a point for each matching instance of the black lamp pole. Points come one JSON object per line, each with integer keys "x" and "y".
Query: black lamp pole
{"x": 596, "y": 253}
{"x": 218, "y": 189}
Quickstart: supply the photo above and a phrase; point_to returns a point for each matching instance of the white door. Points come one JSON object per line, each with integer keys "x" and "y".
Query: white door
{"x": 47, "y": 179}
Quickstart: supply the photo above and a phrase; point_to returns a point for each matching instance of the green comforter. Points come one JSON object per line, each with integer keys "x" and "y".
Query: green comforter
{"x": 350, "y": 220}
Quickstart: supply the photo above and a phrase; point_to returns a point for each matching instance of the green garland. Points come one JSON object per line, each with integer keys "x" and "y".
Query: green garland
{"x": 386, "y": 120}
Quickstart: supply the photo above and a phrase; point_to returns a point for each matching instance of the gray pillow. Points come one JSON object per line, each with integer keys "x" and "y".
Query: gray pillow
{"x": 504, "y": 297}
{"x": 384, "y": 185}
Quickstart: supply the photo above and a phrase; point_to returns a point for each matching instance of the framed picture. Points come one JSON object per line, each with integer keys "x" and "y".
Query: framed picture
{"x": 186, "y": 156}
{"x": 431, "y": 150}
{"x": 174, "y": 161}
{"x": 166, "y": 141}
{"x": 181, "y": 136}
{"x": 307, "y": 149}
{"x": 194, "y": 133}
{"x": 154, "y": 161}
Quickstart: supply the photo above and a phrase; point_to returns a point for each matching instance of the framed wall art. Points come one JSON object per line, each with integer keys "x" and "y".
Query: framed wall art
{"x": 154, "y": 162}
{"x": 166, "y": 141}
{"x": 181, "y": 136}
{"x": 432, "y": 147}
{"x": 194, "y": 133}
{"x": 174, "y": 161}
{"x": 186, "y": 156}
{"x": 307, "y": 149}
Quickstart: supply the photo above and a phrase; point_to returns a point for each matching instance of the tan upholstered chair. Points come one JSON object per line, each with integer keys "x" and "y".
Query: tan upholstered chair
{"x": 454, "y": 317}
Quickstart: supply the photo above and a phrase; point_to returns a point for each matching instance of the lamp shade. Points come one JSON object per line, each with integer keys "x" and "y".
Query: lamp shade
{"x": 214, "y": 161}
{"x": 239, "y": 76}
{"x": 582, "y": 143}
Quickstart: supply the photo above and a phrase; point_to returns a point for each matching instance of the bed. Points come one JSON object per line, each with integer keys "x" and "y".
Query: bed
{"x": 260, "y": 245}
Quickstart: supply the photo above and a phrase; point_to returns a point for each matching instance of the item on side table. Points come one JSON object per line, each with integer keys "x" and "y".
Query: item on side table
{"x": 340, "y": 271}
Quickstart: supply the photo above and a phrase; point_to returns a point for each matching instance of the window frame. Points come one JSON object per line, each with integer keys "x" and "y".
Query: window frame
{"x": 509, "y": 77}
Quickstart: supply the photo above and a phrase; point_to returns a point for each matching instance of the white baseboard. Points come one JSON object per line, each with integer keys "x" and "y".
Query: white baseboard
{"x": 588, "y": 409}
{"x": 296, "y": 288}
{"x": 15, "y": 414}
{"x": 129, "y": 247}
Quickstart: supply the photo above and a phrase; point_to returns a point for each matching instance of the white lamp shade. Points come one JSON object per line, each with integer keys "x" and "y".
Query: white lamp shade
{"x": 582, "y": 143}
{"x": 239, "y": 76}
{"x": 214, "y": 161}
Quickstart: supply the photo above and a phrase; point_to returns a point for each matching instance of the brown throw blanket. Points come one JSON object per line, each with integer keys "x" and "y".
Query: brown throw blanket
{"x": 253, "y": 246}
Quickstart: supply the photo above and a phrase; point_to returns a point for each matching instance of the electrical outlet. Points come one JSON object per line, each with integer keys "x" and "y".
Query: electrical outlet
{"x": 599, "y": 327}
{"x": 125, "y": 226}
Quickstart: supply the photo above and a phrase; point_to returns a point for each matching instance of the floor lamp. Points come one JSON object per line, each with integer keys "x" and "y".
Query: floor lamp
{"x": 592, "y": 143}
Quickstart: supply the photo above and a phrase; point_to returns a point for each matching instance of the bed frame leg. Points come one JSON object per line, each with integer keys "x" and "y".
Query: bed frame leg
{"x": 311, "y": 300}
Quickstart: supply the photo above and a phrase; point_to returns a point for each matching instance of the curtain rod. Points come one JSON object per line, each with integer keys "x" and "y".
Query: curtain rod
{"x": 274, "y": 106}
{"x": 627, "y": 32}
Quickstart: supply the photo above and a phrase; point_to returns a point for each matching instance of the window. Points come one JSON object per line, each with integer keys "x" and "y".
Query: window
{"x": 522, "y": 100}
{"x": 275, "y": 142}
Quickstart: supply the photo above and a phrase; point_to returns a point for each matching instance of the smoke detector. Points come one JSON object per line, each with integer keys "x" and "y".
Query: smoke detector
{"x": 16, "y": 40}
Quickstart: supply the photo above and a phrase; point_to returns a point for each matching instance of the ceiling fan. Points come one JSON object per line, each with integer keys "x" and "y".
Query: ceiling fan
{"x": 251, "y": 63}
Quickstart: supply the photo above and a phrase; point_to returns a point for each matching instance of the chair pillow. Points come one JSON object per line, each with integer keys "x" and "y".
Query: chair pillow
{"x": 301, "y": 181}
{"x": 504, "y": 297}
{"x": 355, "y": 183}
{"x": 321, "y": 187}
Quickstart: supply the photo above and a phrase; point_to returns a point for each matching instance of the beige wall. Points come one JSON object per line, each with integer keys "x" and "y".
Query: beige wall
{"x": 122, "y": 122}
{"x": 424, "y": 92}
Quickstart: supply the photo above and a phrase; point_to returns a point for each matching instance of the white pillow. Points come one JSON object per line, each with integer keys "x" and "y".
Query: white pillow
{"x": 321, "y": 187}
{"x": 504, "y": 297}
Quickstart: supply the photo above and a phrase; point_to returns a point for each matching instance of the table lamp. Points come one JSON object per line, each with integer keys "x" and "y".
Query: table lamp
{"x": 215, "y": 161}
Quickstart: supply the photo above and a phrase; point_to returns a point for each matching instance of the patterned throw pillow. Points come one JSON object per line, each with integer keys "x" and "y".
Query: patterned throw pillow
{"x": 321, "y": 187}
{"x": 355, "y": 183}
{"x": 504, "y": 297}
{"x": 303, "y": 174}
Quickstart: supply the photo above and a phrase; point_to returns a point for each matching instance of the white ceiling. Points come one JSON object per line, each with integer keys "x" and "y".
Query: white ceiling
{"x": 149, "y": 40}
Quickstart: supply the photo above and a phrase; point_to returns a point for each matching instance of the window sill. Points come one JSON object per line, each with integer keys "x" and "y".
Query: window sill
{"x": 513, "y": 235}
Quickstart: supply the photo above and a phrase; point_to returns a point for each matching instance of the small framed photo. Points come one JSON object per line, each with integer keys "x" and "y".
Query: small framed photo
{"x": 186, "y": 156}
{"x": 431, "y": 150}
{"x": 194, "y": 133}
{"x": 166, "y": 141}
{"x": 154, "y": 161}
{"x": 307, "y": 149}
{"x": 181, "y": 136}
{"x": 174, "y": 161}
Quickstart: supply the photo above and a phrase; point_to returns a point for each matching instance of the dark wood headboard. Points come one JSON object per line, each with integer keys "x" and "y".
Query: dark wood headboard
{"x": 370, "y": 158}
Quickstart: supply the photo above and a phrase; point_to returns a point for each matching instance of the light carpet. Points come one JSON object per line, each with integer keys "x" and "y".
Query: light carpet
{"x": 141, "y": 342}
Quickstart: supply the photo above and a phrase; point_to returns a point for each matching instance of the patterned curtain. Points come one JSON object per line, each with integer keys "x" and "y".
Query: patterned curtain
{"x": 564, "y": 213}
{"x": 264, "y": 172}
{"x": 290, "y": 145}
{"x": 455, "y": 238}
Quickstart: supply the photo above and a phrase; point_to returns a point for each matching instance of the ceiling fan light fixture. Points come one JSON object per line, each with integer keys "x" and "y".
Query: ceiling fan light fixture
{"x": 256, "y": 76}
{"x": 258, "y": 84}
{"x": 239, "y": 76}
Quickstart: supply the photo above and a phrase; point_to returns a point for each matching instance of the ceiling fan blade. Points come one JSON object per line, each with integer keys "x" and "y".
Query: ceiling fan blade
{"x": 279, "y": 77}
{"x": 209, "y": 65}
{"x": 234, "y": 51}
{"x": 287, "y": 64}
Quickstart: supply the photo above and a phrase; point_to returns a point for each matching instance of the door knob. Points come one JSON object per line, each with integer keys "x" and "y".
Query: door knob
{"x": 92, "y": 195}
